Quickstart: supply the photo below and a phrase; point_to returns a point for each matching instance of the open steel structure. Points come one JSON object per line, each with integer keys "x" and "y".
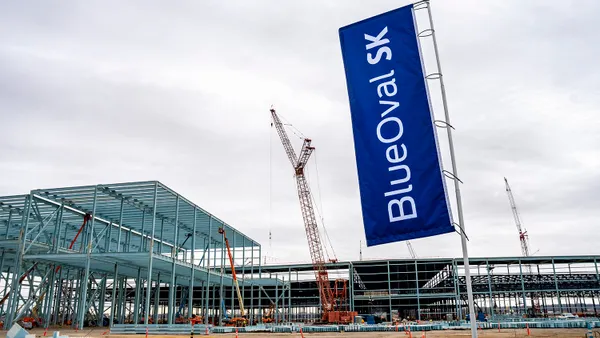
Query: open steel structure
{"x": 118, "y": 253}
{"x": 141, "y": 253}
{"x": 435, "y": 288}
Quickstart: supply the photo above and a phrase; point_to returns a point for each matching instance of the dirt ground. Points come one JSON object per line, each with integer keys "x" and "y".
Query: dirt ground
{"x": 504, "y": 333}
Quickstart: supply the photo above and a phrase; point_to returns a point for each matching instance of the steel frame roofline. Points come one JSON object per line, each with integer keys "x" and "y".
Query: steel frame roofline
{"x": 472, "y": 260}
{"x": 137, "y": 196}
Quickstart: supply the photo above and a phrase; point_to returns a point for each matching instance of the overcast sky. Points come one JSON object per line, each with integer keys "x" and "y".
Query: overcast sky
{"x": 111, "y": 91}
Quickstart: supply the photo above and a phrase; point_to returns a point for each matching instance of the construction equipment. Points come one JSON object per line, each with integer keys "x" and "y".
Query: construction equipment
{"x": 235, "y": 321}
{"x": 329, "y": 303}
{"x": 268, "y": 317}
{"x": 524, "y": 239}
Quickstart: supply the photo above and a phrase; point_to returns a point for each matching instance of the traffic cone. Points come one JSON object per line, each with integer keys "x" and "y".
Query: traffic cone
{"x": 45, "y": 331}
{"x": 527, "y": 326}
{"x": 236, "y": 332}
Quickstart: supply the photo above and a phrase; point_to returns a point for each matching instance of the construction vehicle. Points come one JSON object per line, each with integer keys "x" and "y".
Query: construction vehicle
{"x": 268, "y": 317}
{"x": 196, "y": 320}
{"x": 235, "y": 321}
{"x": 331, "y": 303}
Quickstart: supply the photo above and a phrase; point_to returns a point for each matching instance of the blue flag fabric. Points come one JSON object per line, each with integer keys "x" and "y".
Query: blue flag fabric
{"x": 402, "y": 190}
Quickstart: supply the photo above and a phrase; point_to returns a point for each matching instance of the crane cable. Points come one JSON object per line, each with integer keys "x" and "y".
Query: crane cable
{"x": 319, "y": 209}
{"x": 270, "y": 251}
{"x": 301, "y": 136}
{"x": 321, "y": 202}
{"x": 293, "y": 129}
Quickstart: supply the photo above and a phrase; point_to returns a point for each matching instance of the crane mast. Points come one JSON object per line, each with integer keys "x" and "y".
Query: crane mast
{"x": 524, "y": 239}
{"x": 308, "y": 213}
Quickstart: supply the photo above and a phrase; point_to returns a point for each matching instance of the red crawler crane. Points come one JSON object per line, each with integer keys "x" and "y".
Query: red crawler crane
{"x": 524, "y": 239}
{"x": 329, "y": 300}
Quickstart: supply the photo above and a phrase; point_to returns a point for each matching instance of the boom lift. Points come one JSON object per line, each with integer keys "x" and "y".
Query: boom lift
{"x": 330, "y": 301}
{"x": 235, "y": 321}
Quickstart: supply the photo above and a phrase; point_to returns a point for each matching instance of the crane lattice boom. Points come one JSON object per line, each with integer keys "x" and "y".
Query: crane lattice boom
{"x": 412, "y": 252}
{"x": 308, "y": 213}
{"x": 522, "y": 234}
{"x": 524, "y": 239}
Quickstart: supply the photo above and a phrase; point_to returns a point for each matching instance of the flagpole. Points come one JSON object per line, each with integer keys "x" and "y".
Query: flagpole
{"x": 459, "y": 207}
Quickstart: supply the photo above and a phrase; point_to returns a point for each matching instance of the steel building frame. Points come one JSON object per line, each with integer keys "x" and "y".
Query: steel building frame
{"x": 145, "y": 250}
{"x": 147, "y": 254}
{"x": 436, "y": 288}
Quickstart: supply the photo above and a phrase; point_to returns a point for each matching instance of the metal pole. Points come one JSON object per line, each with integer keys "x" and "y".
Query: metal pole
{"x": 191, "y": 289}
{"x": 252, "y": 285}
{"x": 151, "y": 255}
{"x": 174, "y": 252}
{"x": 459, "y": 208}
{"x": 157, "y": 297}
{"x": 83, "y": 309}
{"x": 113, "y": 301}
{"x": 15, "y": 289}
{"x": 523, "y": 287}
{"x": 556, "y": 286}
{"x": 206, "y": 296}
{"x": 259, "y": 277}
{"x": 389, "y": 289}
{"x": 417, "y": 288}
{"x": 221, "y": 295}
{"x": 489, "y": 278}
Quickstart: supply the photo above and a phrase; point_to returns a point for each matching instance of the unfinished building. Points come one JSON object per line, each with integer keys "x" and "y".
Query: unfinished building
{"x": 141, "y": 253}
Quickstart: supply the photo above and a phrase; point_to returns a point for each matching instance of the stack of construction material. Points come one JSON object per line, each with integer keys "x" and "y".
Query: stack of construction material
{"x": 16, "y": 331}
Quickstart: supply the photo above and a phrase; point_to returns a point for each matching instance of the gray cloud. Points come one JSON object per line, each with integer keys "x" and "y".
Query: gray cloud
{"x": 101, "y": 92}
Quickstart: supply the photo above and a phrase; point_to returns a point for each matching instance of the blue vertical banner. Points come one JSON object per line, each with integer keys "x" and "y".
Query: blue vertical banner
{"x": 402, "y": 190}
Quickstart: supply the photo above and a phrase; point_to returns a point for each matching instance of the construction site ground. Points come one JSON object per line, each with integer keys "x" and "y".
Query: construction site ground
{"x": 505, "y": 333}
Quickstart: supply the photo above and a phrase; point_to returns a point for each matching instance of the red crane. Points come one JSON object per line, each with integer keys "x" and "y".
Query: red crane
{"x": 241, "y": 321}
{"x": 524, "y": 239}
{"x": 328, "y": 299}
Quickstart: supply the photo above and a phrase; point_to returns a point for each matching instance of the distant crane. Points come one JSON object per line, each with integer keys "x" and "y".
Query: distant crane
{"x": 523, "y": 238}
{"x": 329, "y": 298}
{"x": 413, "y": 254}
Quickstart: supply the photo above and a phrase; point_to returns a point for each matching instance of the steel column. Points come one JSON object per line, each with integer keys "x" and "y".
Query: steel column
{"x": 191, "y": 288}
{"x": 174, "y": 252}
{"x": 207, "y": 295}
{"x": 556, "y": 285}
{"x": 151, "y": 253}
{"x": 113, "y": 300}
{"x": 83, "y": 309}
{"x": 489, "y": 278}
{"x": 15, "y": 289}
{"x": 417, "y": 288}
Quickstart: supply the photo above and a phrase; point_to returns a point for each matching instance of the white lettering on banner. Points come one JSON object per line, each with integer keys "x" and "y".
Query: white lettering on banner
{"x": 375, "y": 42}
{"x": 399, "y": 208}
